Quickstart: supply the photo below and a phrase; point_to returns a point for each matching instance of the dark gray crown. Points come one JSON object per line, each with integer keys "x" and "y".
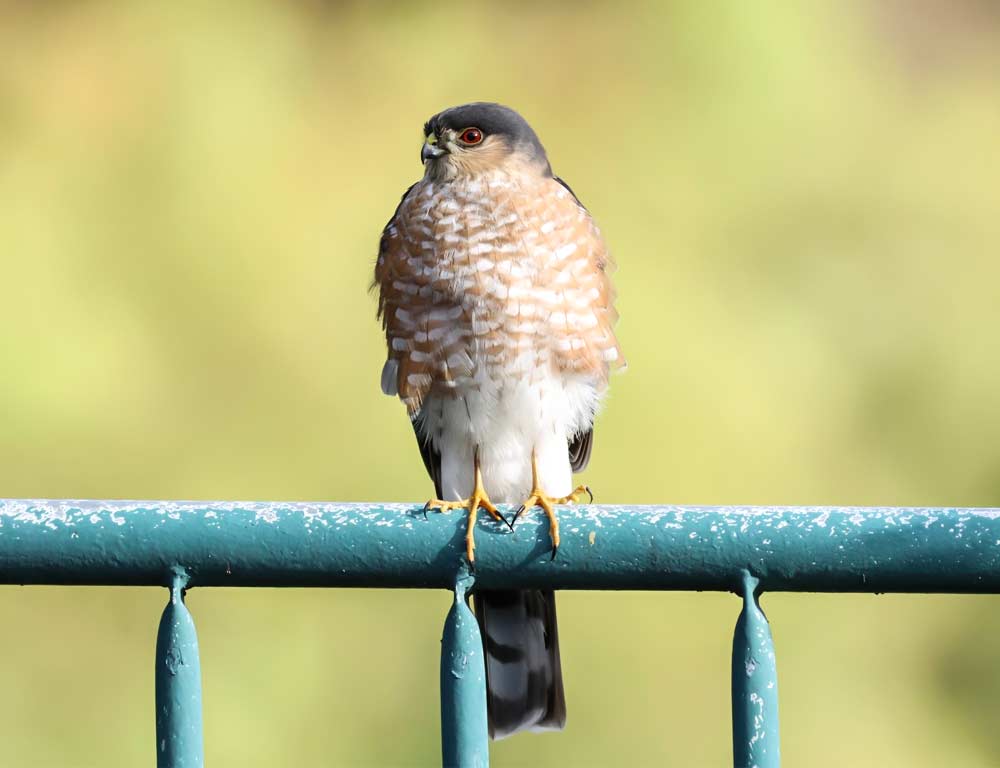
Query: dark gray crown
{"x": 492, "y": 120}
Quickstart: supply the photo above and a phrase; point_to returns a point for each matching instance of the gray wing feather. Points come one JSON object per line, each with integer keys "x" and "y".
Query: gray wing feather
{"x": 579, "y": 450}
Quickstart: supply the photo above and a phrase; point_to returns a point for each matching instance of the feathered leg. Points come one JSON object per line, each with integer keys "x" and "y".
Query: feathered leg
{"x": 538, "y": 498}
{"x": 472, "y": 504}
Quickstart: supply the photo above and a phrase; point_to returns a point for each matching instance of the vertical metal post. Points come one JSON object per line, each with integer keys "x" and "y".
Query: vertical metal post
{"x": 178, "y": 686}
{"x": 755, "y": 686}
{"x": 464, "y": 733}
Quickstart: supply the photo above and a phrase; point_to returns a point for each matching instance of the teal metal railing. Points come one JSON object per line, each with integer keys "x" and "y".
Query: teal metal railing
{"x": 745, "y": 550}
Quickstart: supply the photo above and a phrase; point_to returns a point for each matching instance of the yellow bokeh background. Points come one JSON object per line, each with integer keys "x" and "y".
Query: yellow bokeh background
{"x": 804, "y": 202}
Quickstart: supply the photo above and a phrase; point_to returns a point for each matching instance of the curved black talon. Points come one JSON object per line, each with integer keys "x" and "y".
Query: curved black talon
{"x": 555, "y": 549}
{"x": 517, "y": 514}
{"x": 426, "y": 507}
{"x": 589, "y": 493}
{"x": 500, "y": 515}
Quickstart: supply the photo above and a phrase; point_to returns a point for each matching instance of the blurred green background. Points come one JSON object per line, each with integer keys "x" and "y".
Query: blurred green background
{"x": 804, "y": 201}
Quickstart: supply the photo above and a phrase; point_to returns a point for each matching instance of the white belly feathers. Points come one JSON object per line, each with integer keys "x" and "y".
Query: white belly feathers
{"x": 505, "y": 419}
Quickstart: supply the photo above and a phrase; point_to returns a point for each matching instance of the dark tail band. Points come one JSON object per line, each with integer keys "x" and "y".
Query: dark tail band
{"x": 524, "y": 687}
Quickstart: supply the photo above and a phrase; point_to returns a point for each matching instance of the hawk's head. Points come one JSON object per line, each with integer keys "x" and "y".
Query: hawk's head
{"x": 480, "y": 137}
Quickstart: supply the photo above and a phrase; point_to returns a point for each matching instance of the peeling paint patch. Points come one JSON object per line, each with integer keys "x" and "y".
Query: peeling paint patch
{"x": 642, "y": 547}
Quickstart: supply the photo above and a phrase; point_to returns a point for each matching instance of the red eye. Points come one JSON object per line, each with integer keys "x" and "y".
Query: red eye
{"x": 471, "y": 136}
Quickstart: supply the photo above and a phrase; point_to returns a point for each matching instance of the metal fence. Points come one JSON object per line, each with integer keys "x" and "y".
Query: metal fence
{"x": 746, "y": 550}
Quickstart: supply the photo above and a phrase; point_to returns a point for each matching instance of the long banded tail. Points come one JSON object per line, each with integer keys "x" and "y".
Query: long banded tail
{"x": 524, "y": 687}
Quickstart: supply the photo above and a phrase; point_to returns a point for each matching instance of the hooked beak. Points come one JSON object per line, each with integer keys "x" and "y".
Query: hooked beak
{"x": 431, "y": 152}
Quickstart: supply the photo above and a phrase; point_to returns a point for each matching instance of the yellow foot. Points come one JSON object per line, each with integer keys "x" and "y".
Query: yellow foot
{"x": 478, "y": 500}
{"x": 575, "y": 495}
{"x": 538, "y": 498}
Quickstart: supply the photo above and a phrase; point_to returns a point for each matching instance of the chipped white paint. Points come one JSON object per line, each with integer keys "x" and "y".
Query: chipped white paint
{"x": 652, "y": 547}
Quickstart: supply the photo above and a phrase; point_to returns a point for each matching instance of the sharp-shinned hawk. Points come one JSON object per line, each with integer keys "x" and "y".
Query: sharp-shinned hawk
{"x": 495, "y": 296}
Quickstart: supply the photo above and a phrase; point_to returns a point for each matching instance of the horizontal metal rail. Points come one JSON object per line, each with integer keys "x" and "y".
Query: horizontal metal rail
{"x": 804, "y": 549}
{"x": 745, "y": 550}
